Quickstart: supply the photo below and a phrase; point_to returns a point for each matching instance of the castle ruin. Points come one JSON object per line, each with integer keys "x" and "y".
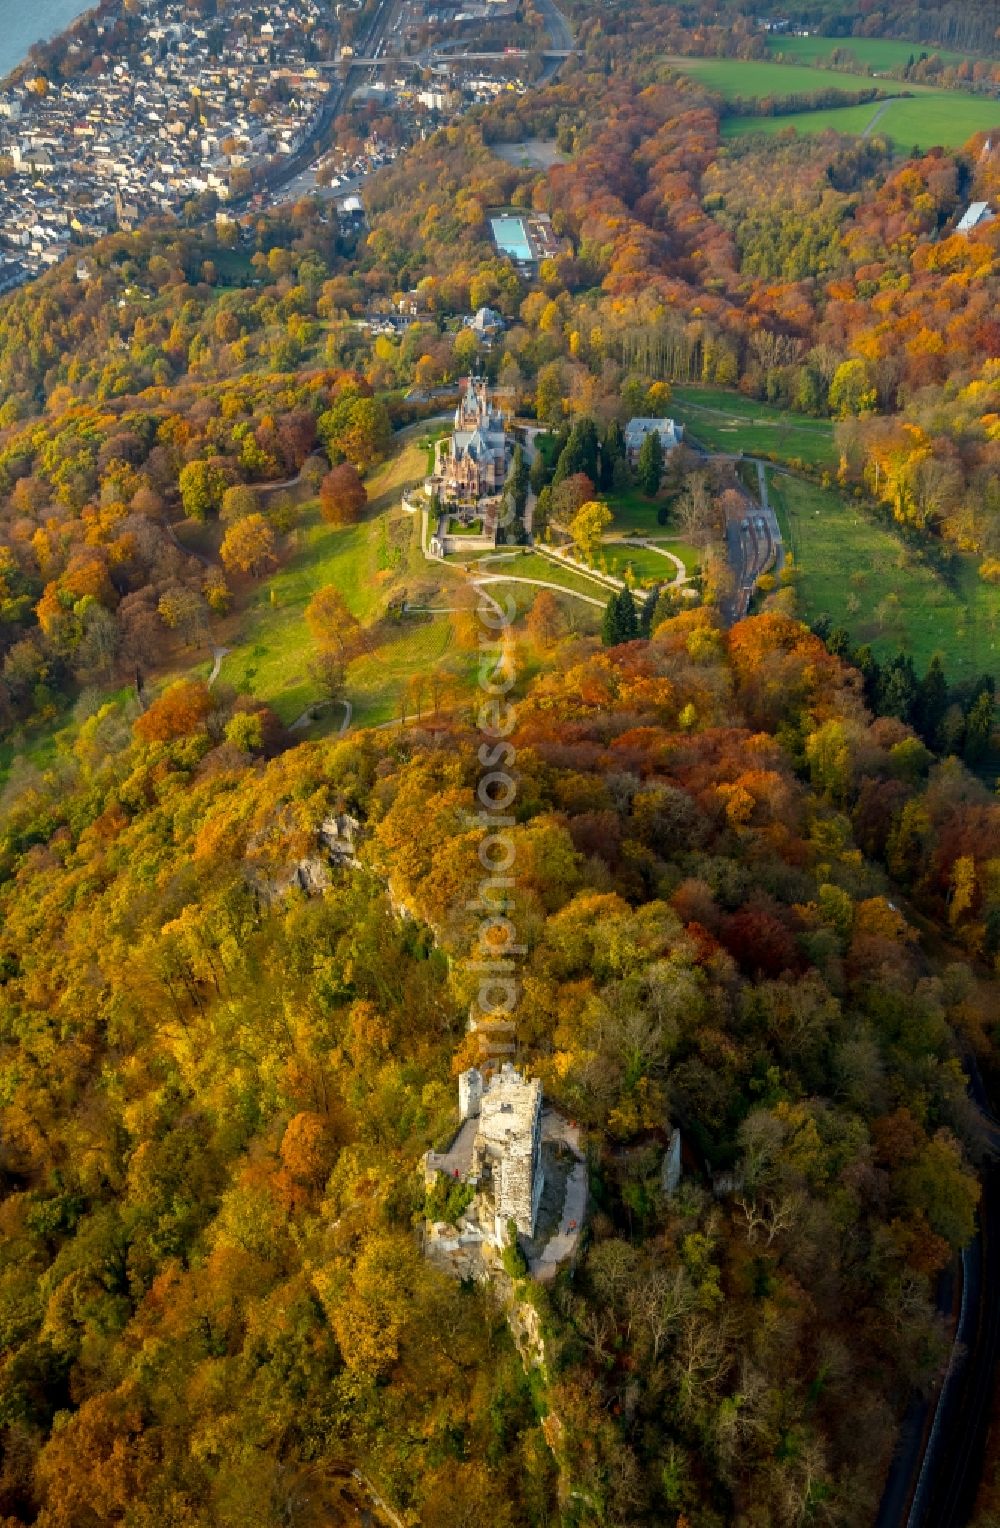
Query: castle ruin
{"x": 506, "y": 1148}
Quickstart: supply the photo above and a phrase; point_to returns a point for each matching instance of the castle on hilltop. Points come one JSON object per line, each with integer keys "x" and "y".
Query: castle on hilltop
{"x": 475, "y": 467}
{"x": 507, "y": 1147}
{"x": 497, "y": 1151}
{"x": 514, "y": 1172}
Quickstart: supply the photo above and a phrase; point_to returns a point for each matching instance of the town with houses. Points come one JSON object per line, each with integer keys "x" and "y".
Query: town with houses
{"x": 194, "y": 111}
{"x": 193, "y": 114}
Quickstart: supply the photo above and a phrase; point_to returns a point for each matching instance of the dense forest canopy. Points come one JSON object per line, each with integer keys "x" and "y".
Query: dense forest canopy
{"x": 215, "y": 1103}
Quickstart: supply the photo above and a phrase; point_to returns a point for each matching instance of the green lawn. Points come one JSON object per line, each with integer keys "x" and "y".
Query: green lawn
{"x": 366, "y": 563}
{"x": 429, "y": 440}
{"x": 945, "y": 117}
{"x": 534, "y": 565}
{"x": 728, "y": 421}
{"x": 842, "y": 119}
{"x": 733, "y": 77}
{"x": 856, "y": 571}
{"x": 942, "y": 118}
{"x": 632, "y": 511}
{"x": 377, "y": 682}
{"x": 233, "y": 267}
{"x": 648, "y": 567}
{"x": 579, "y": 616}
{"x": 689, "y": 555}
{"x": 872, "y": 52}
{"x": 271, "y": 659}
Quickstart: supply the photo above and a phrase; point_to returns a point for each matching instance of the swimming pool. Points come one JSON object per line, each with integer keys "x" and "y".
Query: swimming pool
{"x": 511, "y": 238}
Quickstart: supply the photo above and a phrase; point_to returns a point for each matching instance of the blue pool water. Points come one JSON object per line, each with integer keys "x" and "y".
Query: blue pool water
{"x": 511, "y": 238}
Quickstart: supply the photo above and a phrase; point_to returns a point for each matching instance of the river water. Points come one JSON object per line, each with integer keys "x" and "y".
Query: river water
{"x": 23, "y": 22}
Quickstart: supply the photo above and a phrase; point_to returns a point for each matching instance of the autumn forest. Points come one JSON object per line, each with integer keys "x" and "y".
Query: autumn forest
{"x": 251, "y": 716}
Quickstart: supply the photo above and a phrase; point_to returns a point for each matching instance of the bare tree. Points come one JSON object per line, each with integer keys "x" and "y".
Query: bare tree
{"x": 696, "y": 510}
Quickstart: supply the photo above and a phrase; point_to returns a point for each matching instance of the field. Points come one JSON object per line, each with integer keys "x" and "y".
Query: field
{"x": 873, "y": 52}
{"x": 233, "y": 268}
{"x": 372, "y": 563}
{"x": 578, "y": 615}
{"x": 945, "y": 117}
{"x": 377, "y": 683}
{"x": 854, "y": 570}
{"x": 733, "y": 77}
{"x": 727, "y": 421}
{"x": 837, "y": 119}
{"x": 942, "y": 118}
{"x": 632, "y": 511}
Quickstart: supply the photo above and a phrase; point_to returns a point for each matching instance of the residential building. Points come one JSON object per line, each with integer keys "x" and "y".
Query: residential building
{"x": 671, "y": 434}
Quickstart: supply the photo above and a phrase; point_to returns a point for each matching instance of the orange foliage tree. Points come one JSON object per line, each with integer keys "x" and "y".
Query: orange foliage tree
{"x": 181, "y": 711}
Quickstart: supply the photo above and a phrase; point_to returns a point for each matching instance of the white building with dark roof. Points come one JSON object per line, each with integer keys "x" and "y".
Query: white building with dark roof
{"x": 670, "y": 432}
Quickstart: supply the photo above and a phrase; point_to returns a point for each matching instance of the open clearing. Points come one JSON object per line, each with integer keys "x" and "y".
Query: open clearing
{"x": 530, "y": 153}
{"x": 871, "y": 52}
{"x": 374, "y": 564}
{"x": 856, "y": 571}
{"x": 530, "y": 564}
{"x": 943, "y": 118}
{"x": 648, "y": 567}
{"x": 733, "y": 77}
{"x": 633, "y": 512}
{"x": 727, "y": 421}
{"x": 931, "y": 117}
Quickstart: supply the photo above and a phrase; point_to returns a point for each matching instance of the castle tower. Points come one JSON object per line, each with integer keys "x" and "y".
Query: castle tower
{"x": 470, "y": 1093}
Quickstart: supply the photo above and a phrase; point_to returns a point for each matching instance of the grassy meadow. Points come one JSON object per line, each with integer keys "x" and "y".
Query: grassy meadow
{"x": 872, "y": 52}
{"x": 530, "y": 564}
{"x": 733, "y": 77}
{"x": 648, "y": 567}
{"x": 728, "y": 421}
{"x": 856, "y": 571}
{"x": 369, "y": 563}
{"x": 375, "y": 564}
{"x": 931, "y": 117}
{"x": 944, "y": 118}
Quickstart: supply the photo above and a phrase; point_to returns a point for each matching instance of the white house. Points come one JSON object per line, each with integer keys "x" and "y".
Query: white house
{"x": 671, "y": 434}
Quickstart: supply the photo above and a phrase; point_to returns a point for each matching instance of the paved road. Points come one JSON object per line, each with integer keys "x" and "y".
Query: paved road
{"x": 537, "y": 583}
{"x": 310, "y": 713}
{"x": 218, "y": 653}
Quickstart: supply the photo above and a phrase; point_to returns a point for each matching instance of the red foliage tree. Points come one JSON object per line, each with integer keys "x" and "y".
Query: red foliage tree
{"x": 342, "y": 496}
